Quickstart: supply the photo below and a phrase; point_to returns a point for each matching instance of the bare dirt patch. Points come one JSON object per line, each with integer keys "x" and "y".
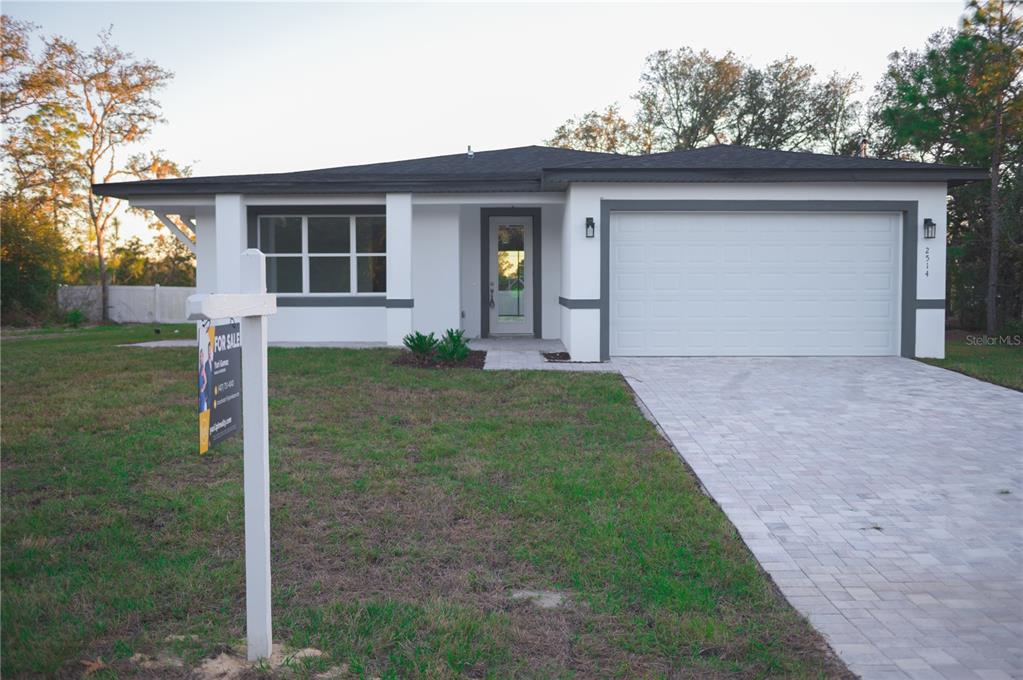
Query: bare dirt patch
{"x": 476, "y": 359}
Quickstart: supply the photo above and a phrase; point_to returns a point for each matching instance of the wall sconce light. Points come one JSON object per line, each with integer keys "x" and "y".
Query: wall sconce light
{"x": 590, "y": 227}
{"x": 930, "y": 228}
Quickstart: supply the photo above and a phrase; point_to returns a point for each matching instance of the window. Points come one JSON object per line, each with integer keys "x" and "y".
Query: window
{"x": 315, "y": 254}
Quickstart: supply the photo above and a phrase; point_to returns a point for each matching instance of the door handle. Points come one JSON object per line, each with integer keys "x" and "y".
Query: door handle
{"x": 491, "y": 294}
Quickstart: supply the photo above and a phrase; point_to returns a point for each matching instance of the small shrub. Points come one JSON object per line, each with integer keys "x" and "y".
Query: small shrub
{"x": 453, "y": 346}
{"x": 1013, "y": 327}
{"x": 74, "y": 318}
{"x": 423, "y": 346}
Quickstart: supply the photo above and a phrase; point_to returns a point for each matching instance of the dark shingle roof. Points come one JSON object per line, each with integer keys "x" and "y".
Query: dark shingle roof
{"x": 727, "y": 156}
{"x": 539, "y": 168}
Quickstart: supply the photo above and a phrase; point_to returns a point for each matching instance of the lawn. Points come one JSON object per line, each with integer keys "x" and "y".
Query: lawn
{"x": 406, "y": 505}
{"x": 999, "y": 363}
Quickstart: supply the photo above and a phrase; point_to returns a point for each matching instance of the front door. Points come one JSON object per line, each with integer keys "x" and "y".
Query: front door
{"x": 511, "y": 275}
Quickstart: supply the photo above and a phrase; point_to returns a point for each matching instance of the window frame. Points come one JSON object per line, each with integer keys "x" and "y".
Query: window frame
{"x": 305, "y": 255}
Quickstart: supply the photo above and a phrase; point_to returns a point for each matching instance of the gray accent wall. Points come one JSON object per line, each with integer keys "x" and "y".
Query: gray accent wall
{"x": 910, "y": 226}
{"x": 537, "y": 266}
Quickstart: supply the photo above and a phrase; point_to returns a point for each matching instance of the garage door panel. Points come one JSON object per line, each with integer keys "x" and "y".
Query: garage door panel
{"x": 665, "y": 282}
{"x": 666, "y": 253}
{"x": 754, "y": 284}
{"x": 631, "y": 282}
{"x": 631, "y": 254}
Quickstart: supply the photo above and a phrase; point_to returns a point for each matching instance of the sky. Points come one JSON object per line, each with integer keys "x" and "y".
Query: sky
{"x": 267, "y": 87}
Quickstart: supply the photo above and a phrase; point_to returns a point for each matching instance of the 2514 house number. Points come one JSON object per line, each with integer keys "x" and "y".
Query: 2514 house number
{"x": 927, "y": 261}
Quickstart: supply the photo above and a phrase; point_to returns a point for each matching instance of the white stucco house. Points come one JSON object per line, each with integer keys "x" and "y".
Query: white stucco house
{"x": 723, "y": 250}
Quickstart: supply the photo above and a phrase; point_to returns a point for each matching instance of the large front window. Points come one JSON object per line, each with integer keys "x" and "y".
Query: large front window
{"x": 324, "y": 253}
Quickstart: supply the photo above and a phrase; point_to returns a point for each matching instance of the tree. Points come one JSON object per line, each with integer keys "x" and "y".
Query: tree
{"x": 773, "y": 108}
{"x": 960, "y": 100}
{"x": 603, "y": 130}
{"x": 836, "y": 115}
{"x": 31, "y": 260}
{"x": 1000, "y": 35}
{"x": 71, "y": 118}
{"x": 171, "y": 263}
{"x": 684, "y": 96}
{"x": 112, "y": 98}
{"x": 24, "y": 82}
{"x": 689, "y": 99}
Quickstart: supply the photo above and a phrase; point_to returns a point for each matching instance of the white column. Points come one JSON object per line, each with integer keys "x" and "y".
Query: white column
{"x": 256, "y": 438}
{"x": 930, "y": 274}
{"x": 399, "y": 266}
{"x": 230, "y": 237}
{"x": 205, "y": 249}
{"x": 580, "y": 274}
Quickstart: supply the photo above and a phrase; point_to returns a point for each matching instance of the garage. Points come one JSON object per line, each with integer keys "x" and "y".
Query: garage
{"x": 754, "y": 283}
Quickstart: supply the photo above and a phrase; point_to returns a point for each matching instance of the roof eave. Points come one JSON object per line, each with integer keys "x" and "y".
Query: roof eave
{"x": 555, "y": 179}
{"x": 127, "y": 190}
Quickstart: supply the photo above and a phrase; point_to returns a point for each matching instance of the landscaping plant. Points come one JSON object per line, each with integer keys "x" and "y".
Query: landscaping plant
{"x": 75, "y": 318}
{"x": 422, "y": 346}
{"x": 453, "y": 346}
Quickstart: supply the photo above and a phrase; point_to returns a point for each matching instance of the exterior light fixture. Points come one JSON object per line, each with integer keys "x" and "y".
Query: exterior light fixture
{"x": 930, "y": 229}
{"x": 590, "y": 227}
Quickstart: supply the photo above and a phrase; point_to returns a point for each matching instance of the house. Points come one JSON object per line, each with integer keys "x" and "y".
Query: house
{"x": 723, "y": 250}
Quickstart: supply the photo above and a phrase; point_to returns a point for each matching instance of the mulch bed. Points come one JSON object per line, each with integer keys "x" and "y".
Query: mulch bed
{"x": 476, "y": 359}
{"x": 557, "y": 356}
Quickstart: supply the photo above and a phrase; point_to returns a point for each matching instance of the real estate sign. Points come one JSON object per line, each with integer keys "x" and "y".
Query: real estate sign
{"x": 220, "y": 382}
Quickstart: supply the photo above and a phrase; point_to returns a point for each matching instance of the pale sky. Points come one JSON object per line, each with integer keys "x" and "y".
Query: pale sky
{"x": 266, "y": 87}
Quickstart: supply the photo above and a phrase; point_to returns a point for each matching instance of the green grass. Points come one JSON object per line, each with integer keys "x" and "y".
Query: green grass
{"x": 1001, "y": 364}
{"x": 406, "y": 503}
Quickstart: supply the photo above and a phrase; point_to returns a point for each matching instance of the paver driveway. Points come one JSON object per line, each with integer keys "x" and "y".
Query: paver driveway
{"x": 884, "y": 496}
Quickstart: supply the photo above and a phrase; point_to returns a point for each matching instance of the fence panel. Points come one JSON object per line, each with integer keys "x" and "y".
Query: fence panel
{"x": 128, "y": 304}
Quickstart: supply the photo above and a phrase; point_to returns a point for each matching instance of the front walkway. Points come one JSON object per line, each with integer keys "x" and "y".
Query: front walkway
{"x": 526, "y": 353}
{"x": 884, "y": 496}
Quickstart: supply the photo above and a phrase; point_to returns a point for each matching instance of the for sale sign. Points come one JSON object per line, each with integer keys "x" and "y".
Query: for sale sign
{"x": 220, "y": 382}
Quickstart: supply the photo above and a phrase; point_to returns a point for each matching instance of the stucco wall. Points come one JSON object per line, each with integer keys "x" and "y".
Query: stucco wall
{"x": 551, "y": 219}
{"x": 435, "y": 268}
{"x": 328, "y": 324}
{"x": 469, "y": 268}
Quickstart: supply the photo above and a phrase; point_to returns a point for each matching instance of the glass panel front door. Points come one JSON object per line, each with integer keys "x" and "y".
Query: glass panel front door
{"x": 511, "y": 275}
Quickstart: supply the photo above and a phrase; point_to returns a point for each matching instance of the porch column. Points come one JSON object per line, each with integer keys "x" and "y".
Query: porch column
{"x": 230, "y": 238}
{"x": 399, "y": 267}
{"x": 205, "y": 249}
{"x": 220, "y": 238}
{"x": 580, "y": 275}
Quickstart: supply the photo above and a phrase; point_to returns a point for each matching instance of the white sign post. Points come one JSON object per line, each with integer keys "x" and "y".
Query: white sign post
{"x": 252, "y": 305}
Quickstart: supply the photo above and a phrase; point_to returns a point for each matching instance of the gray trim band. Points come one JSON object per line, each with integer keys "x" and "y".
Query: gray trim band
{"x": 579, "y": 304}
{"x": 930, "y": 304}
{"x": 910, "y": 226}
{"x": 537, "y": 255}
{"x": 342, "y": 301}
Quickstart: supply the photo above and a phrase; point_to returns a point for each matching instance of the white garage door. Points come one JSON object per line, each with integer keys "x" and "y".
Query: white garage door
{"x": 748, "y": 284}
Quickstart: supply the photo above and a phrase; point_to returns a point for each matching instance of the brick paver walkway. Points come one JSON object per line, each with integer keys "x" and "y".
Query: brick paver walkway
{"x": 884, "y": 496}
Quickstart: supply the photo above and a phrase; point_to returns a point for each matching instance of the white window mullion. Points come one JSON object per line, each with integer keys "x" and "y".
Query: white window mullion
{"x": 305, "y": 255}
{"x": 352, "y": 262}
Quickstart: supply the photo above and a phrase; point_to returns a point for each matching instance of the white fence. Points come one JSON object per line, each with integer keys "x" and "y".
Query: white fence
{"x": 128, "y": 304}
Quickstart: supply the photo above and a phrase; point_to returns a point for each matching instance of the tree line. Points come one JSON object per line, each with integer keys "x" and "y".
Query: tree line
{"x": 957, "y": 99}
{"x": 74, "y": 117}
